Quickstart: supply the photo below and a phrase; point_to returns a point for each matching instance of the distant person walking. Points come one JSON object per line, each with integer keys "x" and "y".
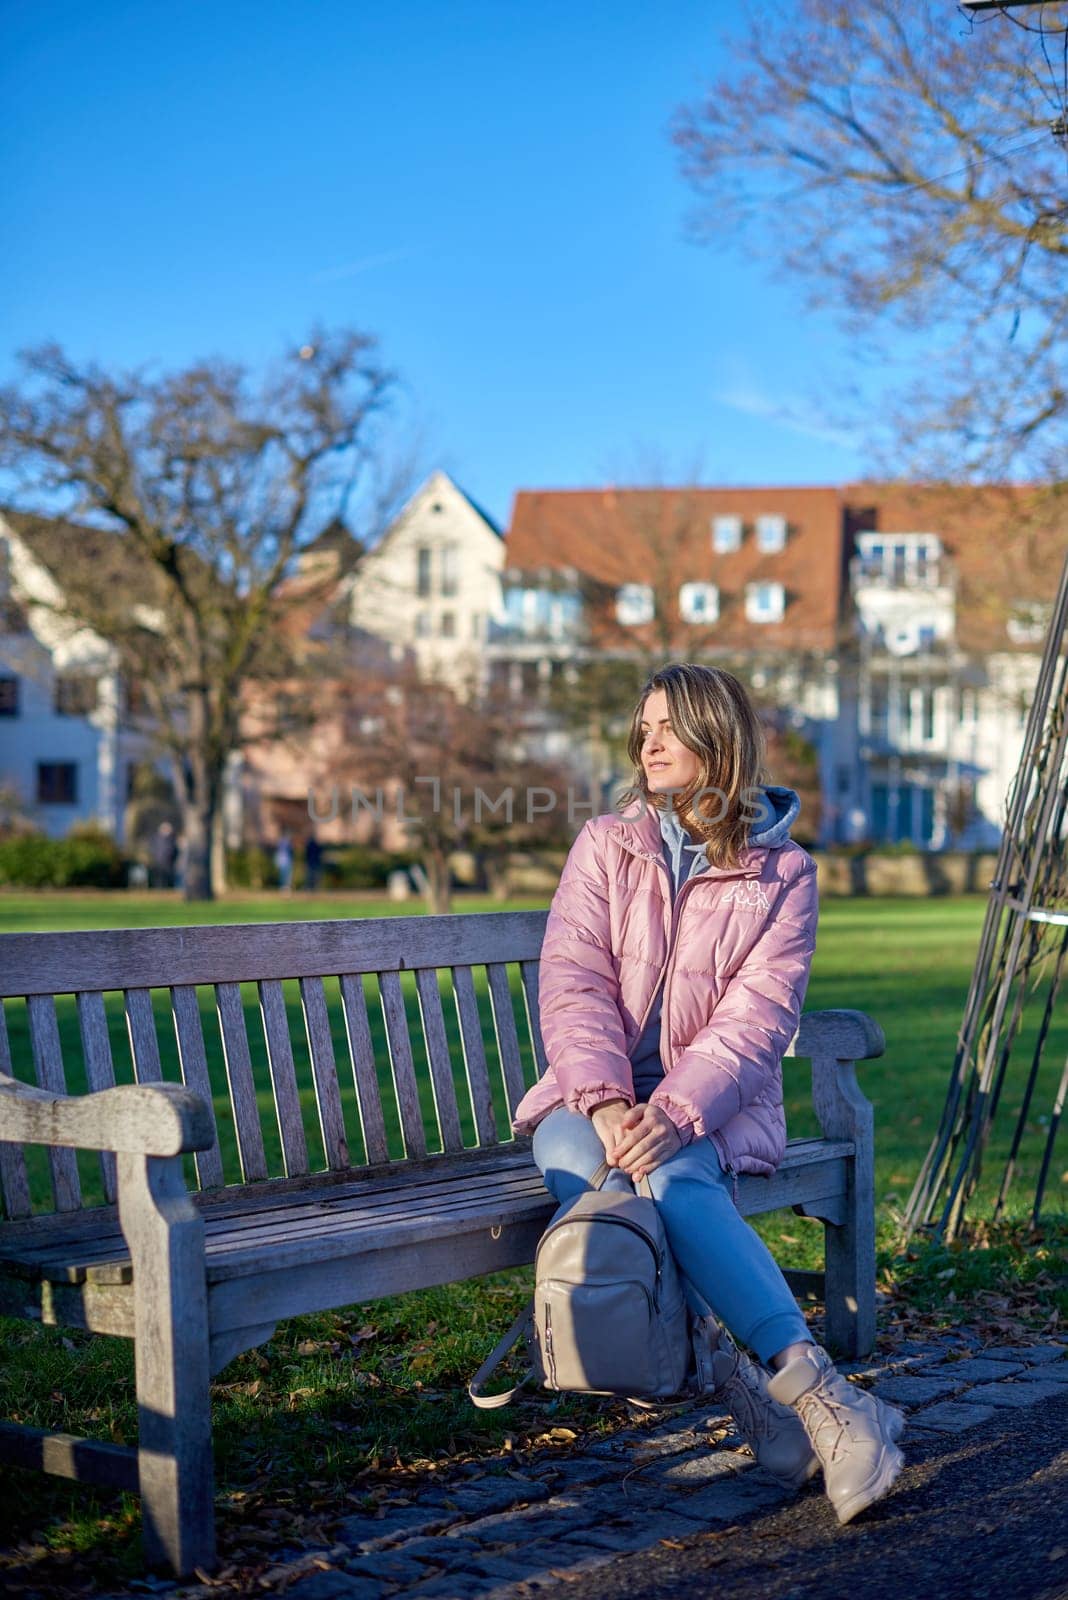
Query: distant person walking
{"x": 283, "y": 861}
{"x": 313, "y": 862}
{"x": 163, "y": 853}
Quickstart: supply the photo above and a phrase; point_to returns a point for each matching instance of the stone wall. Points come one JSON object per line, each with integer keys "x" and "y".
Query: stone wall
{"x": 840, "y": 874}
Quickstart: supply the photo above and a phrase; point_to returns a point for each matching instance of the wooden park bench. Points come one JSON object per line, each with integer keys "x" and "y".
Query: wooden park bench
{"x": 336, "y": 1131}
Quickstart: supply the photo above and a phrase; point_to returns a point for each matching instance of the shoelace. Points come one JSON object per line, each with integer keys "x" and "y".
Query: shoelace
{"x": 821, "y": 1412}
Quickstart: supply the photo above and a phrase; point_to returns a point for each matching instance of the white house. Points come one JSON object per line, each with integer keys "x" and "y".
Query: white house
{"x": 432, "y": 584}
{"x": 63, "y": 754}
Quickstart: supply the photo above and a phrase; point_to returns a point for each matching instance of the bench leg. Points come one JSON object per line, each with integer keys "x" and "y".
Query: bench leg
{"x": 849, "y": 1287}
{"x": 165, "y": 1235}
{"x": 845, "y": 1113}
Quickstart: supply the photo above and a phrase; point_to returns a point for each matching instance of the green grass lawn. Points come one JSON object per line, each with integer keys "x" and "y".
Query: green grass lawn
{"x": 336, "y": 1398}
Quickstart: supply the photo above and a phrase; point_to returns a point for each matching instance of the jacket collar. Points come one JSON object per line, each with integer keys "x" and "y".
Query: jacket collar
{"x": 638, "y": 830}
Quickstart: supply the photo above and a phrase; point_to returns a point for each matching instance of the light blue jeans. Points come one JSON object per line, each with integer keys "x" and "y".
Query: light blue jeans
{"x": 726, "y": 1262}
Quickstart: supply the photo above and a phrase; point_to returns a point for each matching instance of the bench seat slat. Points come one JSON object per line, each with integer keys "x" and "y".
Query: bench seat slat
{"x": 283, "y": 1077}
{"x": 365, "y": 1075}
{"x": 99, "y": 1067}
{"x": 48, "y": 1065}
{"x": 474, "y": 1051}
{"x": 400, "y": 1056}
{"x": 439, "y": 1058}
{"x": 192, "y": 1057}
{"x": 242, "y": 1085}
{"x": 507, "y": 1035}
{"x": 324, "y": 1072}
{"x": 13, "y": 1180}
{"x": 354, "y": 1211}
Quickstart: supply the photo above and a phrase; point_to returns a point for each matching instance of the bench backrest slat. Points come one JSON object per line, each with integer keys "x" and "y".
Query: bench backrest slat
{"x": 400, "y": 1057}
{"x": 529, "y": 972}
{"x": 99, "y": 1067}
{"x": 242, "y": 1085}
{"x": 507, "y": 1037}
{"x": 362, "y": 1058}
{"x": 13, "y": 1181}
{"x": 48, "y": 1065}
{"x": 439, "y": 1058}
{"x": 474, "y": 1051}
{"x": 193, "y": 1060}
{"x": 324, "y": 1072}
{"x": 144, "y": 1046}
{"x": 121, "y": 958}
{"x": 283, "y": 1078}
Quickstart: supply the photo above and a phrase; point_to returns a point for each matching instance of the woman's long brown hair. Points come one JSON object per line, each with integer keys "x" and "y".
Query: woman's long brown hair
{"x": 712, "y": 714}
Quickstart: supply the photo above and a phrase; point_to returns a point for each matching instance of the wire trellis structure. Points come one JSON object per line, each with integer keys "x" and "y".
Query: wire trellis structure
{"x": 1023, "y": 954}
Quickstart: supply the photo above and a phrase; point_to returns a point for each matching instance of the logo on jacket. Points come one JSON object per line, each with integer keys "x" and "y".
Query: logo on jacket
{"x": 749, "y": 894}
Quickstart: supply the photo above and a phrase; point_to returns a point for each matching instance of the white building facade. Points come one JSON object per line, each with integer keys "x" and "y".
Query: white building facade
{"x": 63, "y": 755}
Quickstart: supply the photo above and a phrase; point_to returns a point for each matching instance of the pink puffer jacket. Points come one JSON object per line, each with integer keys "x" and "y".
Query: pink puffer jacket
{"x": 734, "y": 954}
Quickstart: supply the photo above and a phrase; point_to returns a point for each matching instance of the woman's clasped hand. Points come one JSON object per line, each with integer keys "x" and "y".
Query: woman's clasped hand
{"x": 637, "y": 1139}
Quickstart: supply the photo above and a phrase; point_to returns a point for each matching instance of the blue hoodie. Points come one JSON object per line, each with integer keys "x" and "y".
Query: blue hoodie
{"x": 684, "y": 861}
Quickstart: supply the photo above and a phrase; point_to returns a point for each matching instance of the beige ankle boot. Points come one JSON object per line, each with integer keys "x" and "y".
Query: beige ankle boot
{"x": 853, "y": 1434}
{"x": 773, "y": 1432}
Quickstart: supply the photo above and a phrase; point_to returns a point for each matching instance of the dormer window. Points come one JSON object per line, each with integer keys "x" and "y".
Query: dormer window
{"x": 770, "y": 534}
{"x": 726, "y": 534}
{"x": 699, "y": 602}
{"x": 634, "y": 604}
{"x": 765, "y": 602}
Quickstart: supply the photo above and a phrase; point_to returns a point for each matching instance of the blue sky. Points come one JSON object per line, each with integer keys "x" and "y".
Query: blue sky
{"x": 488, "y": 187}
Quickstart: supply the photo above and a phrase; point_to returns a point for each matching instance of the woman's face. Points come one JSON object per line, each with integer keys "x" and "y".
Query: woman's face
{"x": 668, "y": 763}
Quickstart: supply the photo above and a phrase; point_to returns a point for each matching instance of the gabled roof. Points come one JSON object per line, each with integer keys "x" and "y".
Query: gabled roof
{"x": 664, "y": 537}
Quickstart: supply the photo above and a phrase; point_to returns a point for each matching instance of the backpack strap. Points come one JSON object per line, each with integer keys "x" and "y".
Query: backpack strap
{"x": 490, "y": 1402}
{"x": 596, "y": 1181}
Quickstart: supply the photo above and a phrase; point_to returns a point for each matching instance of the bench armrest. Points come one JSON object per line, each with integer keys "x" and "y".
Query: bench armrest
{"x": 153, "y": 1119}
{"x": 834, "y": 1041}
{"x": 839, "y": 1036}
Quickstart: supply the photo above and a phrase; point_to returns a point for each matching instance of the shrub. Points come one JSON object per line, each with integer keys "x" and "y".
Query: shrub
{"x": 88, "y": 858}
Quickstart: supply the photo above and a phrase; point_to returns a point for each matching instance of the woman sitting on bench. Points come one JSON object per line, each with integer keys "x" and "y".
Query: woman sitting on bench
{"x": 673, "y": 969}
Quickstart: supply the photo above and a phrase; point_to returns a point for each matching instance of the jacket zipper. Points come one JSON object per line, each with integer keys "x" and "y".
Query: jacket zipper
{"x": 665, "y": 979}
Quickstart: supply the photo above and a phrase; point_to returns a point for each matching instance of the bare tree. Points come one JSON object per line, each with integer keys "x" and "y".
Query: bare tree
{"x": 211, "y": 482}
{"x": 900, "y": 159}
{"x": 449, "y": 762}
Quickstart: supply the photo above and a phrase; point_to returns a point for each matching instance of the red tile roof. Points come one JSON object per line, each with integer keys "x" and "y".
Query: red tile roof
{"x": 663, "y": 537}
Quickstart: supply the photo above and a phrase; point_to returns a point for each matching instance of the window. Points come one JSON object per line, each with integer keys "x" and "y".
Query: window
{"x": 634, "y": 604}
{"x": 770, "y": 534}
{"x": 879, "y": 709}
{"x": 726, "y": 534}
{"x": 422, "y": 571}
{"x": 926, "y": 635}
{"x": 422, "y": 624}
{"x": 57, "y": 783}
{"x": 765, "y": 602}
{"x": 927, "y": 713}
{"x": 699, "y": 602}
{"x": 450, "y": 569}
{"x": 967, "y": 708}
{"x": 447, "y": 625}
{"x": 9, "y": 697}
{"x": 476, "y": 625}
{"x": 75, "y": 694}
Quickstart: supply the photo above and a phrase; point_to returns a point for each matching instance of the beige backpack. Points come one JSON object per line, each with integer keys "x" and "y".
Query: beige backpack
{"x": 608, "y": 1314}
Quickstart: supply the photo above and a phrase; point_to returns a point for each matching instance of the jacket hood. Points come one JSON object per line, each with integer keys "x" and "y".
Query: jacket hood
{"x": 780, "y": 806}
